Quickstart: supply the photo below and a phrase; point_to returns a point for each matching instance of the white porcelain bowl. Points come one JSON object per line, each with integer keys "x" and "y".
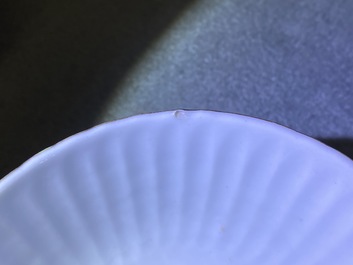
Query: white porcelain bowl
{"x": 180, "y": 188}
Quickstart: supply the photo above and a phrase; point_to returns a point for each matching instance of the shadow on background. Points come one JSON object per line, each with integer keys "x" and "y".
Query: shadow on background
{"x": 60, "y": 62}
{"x": 344, "y": 145}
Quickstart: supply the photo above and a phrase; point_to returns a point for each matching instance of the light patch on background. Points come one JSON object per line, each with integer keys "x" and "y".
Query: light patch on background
{"x": 283, "y": 64}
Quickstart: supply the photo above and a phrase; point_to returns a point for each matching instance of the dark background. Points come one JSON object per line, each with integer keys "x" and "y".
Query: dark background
{"x": 66, "y": 66}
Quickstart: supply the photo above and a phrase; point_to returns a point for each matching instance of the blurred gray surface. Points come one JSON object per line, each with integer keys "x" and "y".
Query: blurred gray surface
{"x": 65, "y": 67}
{"x": 284, "y": 61}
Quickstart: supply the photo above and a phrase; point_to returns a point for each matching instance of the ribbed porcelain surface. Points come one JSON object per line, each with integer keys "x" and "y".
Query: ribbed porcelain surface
{"x": 180, "y": 188}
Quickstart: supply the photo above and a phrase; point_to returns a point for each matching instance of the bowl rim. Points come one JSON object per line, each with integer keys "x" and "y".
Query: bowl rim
{"x": 18, "y": 173}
